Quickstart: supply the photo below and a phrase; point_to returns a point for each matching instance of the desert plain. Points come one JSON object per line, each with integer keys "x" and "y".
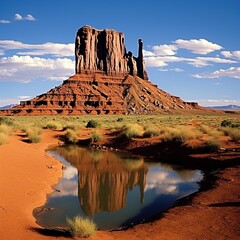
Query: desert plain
{"x": 27, "y": 172}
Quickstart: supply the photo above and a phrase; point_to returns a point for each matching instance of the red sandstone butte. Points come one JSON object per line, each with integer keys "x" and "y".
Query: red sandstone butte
{"x": 108, "y": 80}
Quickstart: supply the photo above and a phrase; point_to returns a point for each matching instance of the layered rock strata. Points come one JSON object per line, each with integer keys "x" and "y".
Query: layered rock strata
{"x": 108, "y": 80}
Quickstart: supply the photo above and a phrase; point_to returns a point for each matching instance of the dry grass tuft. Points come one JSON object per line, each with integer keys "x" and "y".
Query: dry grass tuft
{"x": 132, "y": 130}
{"x": 71, "y": 136}
{"x": 81, "y": 227}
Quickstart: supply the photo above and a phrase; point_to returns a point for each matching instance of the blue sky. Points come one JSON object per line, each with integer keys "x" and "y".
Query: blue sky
{"x": 191, "y": 47}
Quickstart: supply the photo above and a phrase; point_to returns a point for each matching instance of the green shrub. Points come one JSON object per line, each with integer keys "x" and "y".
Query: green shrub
{"x": 120, "y": 119}
{"x": 132, "y": 130}
{"x": 71, "y": 136}
{"x": 92, "y": 124}
{"x": 81, "y": 227}
{"x": 228, "y": 123}
{"x": 96, "y": 136}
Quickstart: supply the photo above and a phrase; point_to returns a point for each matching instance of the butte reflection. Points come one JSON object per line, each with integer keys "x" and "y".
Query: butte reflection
{"x": 104, "y": 178}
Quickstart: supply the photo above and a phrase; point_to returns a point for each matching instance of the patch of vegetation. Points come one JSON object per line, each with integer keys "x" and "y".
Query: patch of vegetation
{"x": 133, "y": 130}
{"x": 5, "y": 132}
{"x": 92, "y": 124}
{"x": 151, "y": 131}
{"x": 211, "y": 132}
{"x": 33, "y": 134}
{"x": 96, "y": 136}
{"x": 179, "y": 134}
{"x": 54, "y": 125}
{"x": 81, "y": 227}
{"x": 233, "y": 133}
{"x": 73, "y": 127}
{"x": 3, "y": 138}
{"x": 212, "y": 144}
{"x": 228, "y": 123}
{"x": 120, "y": 119}
{"x": 6, "y": 121}
{"x": 71, "y": 136}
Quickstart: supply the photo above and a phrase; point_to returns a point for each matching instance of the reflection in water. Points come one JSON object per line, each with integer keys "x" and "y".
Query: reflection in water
{"x": 103, "y": 178}
{"x": 113, "y": 188}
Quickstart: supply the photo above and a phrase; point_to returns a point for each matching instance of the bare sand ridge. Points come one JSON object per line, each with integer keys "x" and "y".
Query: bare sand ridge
{"x": 27, "y": 173}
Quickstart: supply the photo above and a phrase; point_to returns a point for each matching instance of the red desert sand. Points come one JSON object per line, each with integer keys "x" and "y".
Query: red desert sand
{"x": 27, "y": 174}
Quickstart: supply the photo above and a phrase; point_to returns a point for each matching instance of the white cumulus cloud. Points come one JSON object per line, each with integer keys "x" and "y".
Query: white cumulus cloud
{"x": 155, "y": 62}
{"x": 56, "y": 49}
{"x": 233, "y": 72}
{"x": 165, "y": 50}
{"x": 233, "y": 54}
{"x": 29, "y": 17}
{"x": 197, "y": 46}
{"x": 170, "y": 70}
{"x": 24, "y": 97}
{"x": 147, "y": 53}
{"x": 4, "y": 21}
{"x": 19, "y": 17}
{"x": 26, "y": 68}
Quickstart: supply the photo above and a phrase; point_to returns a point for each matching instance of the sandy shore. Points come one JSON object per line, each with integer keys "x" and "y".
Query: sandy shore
{"x": 25, "y": 179}
{"x": 27, "y": 174}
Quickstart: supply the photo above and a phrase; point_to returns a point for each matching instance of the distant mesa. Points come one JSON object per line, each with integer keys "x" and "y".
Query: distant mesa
{"x": 107, "y": 80}
{"x": 8, "y": 106}
{"x": 226, "y": 108}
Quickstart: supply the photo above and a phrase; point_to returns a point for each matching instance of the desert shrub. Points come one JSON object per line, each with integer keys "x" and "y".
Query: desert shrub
{"x": 53, "y": 125}
{"x": 73, "y": 127}
{"x": 5, "y": 132}
{"x": 6, "y": 121}
{"x": 150, "y": 131}
{"x": 33, "y": 134}
{"x": 214, "y": 133}
{"x": 233, "y": 133}
{"x": 120, "y": 119}
{"x": 81, "y": 227}
{"x": 180, "y": 134}
{"x": 228, "y": 123}
{"x": 71, "y": 136}
{"x": 92, "y": 124}
{"x": 3, "y": 138}
{"x": 132, "y": 130}
{"x": 212, "y": 144}
{"x": 6, "y": 129}
{"x": 96, "y": 136}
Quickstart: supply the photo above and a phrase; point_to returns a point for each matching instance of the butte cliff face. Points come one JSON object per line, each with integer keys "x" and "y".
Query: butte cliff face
{"x": 105, "y": 50}
{"x": 108, "y": 80}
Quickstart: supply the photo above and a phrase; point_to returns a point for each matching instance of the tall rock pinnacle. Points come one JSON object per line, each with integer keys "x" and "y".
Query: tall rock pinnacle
{"x": 104, "y": 50}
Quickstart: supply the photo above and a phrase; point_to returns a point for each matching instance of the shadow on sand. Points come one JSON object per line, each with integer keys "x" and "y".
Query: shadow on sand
{"x": 52, "y": 232}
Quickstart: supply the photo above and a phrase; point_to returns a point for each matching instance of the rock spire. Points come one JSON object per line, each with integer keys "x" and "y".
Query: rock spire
{"x": 104, "y": 50}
